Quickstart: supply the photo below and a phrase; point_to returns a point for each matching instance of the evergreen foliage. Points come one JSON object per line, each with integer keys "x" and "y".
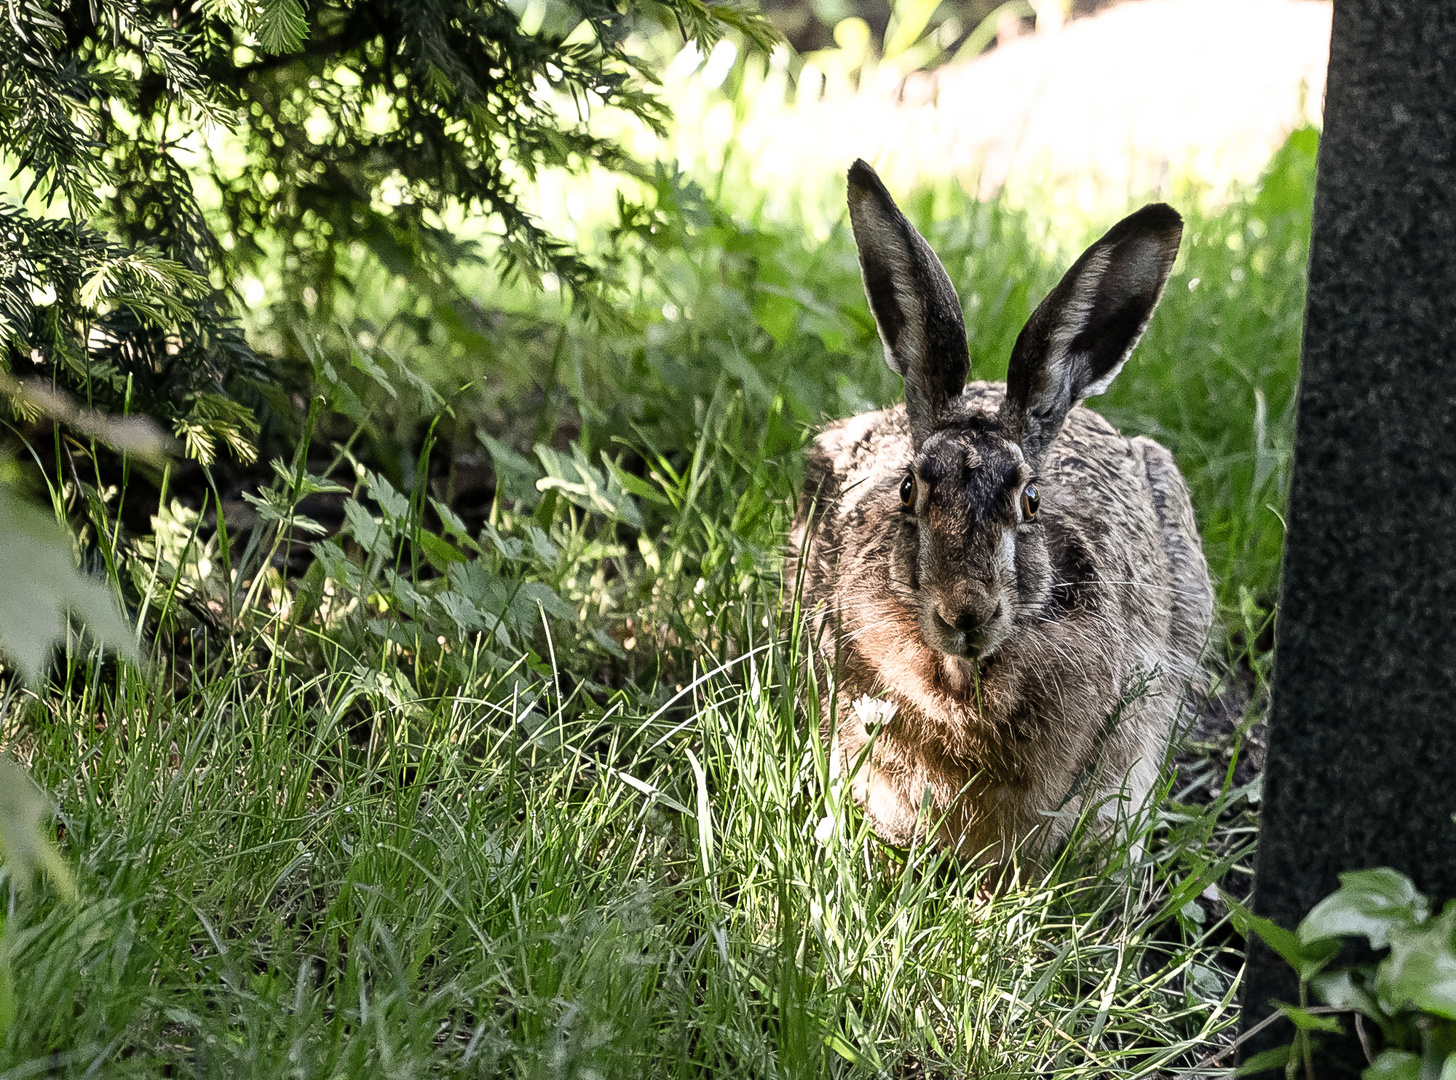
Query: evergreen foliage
{"x": 116, "y": 284}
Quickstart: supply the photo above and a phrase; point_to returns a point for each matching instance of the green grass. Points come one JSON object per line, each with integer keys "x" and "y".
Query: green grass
{"x": 547, "y": 798}
{"x": 269, "y": 889}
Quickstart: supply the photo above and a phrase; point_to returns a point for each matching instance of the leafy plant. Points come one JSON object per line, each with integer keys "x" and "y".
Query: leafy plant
{"x": 113, "y": 296}
{"x": 1409, "y": 994}
{"x": 40, "y": 592}
{"x": 39, "y": 585}
{"x": 352, "y": 124}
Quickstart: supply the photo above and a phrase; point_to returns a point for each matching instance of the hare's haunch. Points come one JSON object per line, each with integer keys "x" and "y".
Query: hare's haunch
{"x": 1019, "y": 588}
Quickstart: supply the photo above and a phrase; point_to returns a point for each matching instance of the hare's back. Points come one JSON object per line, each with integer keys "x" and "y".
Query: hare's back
{"x": 1122, "y": 517}
{"x": 1191, "y": 591}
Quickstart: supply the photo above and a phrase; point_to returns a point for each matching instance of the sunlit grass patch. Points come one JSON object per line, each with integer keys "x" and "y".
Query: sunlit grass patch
{"x": 283, "y": 871}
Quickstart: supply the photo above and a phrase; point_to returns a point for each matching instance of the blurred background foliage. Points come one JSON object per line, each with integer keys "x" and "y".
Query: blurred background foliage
{"x": 894, "y": 27}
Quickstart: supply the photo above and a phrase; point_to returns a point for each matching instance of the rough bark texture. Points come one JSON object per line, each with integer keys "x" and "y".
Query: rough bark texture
{"x": 1362, "y": 759}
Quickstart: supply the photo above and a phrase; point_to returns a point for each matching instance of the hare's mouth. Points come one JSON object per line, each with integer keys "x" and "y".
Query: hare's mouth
{"x": 973, "y": 644}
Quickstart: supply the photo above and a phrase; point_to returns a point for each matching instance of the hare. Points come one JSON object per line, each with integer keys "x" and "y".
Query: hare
{"x": 1009, "y": 598}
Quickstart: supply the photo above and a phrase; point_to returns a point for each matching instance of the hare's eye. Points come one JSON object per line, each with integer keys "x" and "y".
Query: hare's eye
{"x": 1030, "y": 500}
{"x": 907, "y": 491}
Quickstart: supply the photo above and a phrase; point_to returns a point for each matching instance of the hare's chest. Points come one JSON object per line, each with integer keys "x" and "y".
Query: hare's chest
{"x": 982, "y": 756}
{"x": 909, "y": 787}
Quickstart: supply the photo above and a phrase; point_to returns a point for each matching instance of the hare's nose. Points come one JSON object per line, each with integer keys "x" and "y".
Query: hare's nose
{"x": 971, "y": 621}
{"x": 972, "y": 613}
{"x": 965, "y": 628}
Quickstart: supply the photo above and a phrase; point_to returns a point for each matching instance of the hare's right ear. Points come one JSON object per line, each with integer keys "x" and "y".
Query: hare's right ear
{"x": 1077, "y": 340}
{"x": 913, "y": 301}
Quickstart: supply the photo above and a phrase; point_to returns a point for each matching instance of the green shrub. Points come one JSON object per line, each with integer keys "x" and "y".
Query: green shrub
{"x": 1408, "y": 994}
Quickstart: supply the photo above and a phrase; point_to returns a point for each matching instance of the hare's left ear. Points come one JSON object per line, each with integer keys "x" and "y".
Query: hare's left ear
{"x": 914, "y": 303}
{"x": 1077, "y": 340}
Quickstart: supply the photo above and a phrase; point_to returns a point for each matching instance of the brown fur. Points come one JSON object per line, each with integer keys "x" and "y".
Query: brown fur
{"x": 1032, "y": 663}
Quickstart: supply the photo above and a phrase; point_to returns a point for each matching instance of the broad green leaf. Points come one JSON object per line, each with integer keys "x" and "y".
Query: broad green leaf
{"x": 335, "y": 563}
{"x": 1394, "y": 1065}
{"x": 545, "y": 550}
{"x": 422, "y": 386}
{"x": 383, "y": 492}
{"x": 507, "y": 459}
{"x": 606, "y": 641}
{"x": 39, "y": 584}
{"x": 1306, "y": 960}
{"x": 364, "y": 526}
{"x": 24, "y": 809}
{"x": 310, "y": 593}
{"x": 775, "y": 310}
{"x": 273, "y": 505}
{"x": 304, "y": 523}
{"x": 405, "y": 596}
{"x": 460, "y": 611}
{"x": 1305, "y": 1020}
{"x": 362, "y": 361}
{"x": 1338, "y": 988}
{"x": 508, "y": 546}
{"x": 308, "y": 483}
{"x": 635, "y": 485}
{"x": 454, "y": 527}
{"x": 1370, "y": 903}
{"x": 1266, "y": 1061}
{"x": 585, "y": 486}
{"x": 534, "y": 592}
{"x": 474, "y": 580}
{"x": 440, "y": 552}
{"x": 515, "y": 476}
{"x": 1420, "y": 972}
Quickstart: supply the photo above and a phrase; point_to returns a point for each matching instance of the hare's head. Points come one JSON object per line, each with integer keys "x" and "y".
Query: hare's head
{"x": 969, "y": 549}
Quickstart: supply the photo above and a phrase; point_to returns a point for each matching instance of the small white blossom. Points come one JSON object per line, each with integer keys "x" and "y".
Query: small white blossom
{"x": 874, "y": 713}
